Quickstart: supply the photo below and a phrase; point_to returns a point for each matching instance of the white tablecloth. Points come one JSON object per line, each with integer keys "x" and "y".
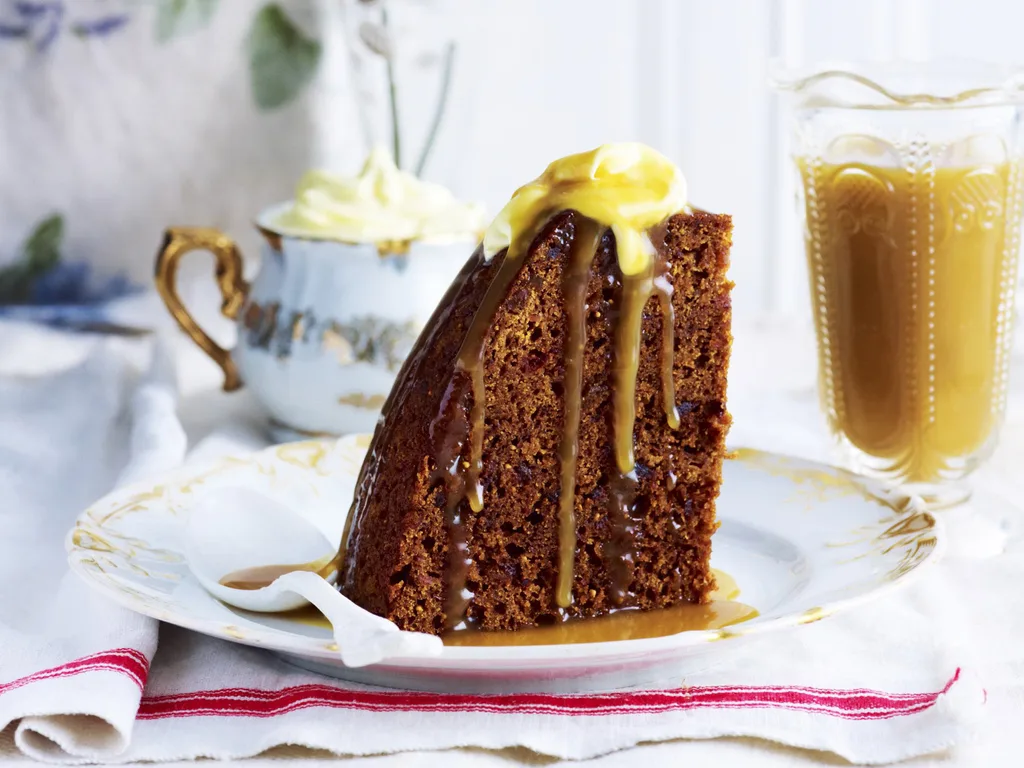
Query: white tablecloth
{"x": 772, "y": 394}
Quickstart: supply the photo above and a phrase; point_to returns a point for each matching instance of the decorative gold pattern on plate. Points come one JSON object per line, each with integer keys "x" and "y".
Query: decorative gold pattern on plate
{"x": 816, "y": 485}
{"x": 812, "y": 615}
{"x": 306, "y": 433}
{"x": 724, "y": 634}
{"x": 132, "y": 504}
{"x": 359, "y": 400}
{"x": 332, "y": 341}
{"x": 913, "y": 534}
{"x": 306, "y": 454}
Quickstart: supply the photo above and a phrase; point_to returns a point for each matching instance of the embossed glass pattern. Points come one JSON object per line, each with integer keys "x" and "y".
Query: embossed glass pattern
{"x": 912, "y": 210}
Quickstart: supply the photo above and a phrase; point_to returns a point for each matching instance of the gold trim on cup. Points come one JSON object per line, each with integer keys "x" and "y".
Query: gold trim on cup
{"x": 233, "y": 289}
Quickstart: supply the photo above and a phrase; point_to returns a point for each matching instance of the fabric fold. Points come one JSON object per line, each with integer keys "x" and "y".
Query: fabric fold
{"x": 74, "y": 664}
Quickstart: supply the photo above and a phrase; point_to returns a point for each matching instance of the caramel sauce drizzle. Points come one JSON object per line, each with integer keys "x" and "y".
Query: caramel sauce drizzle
{"x": 631, "y": 190}
{"x": 460, "y": 560}
{"x": 449, "y": 468}
{"x": 586, "y": 240}
{"x": 620, "y": 554}
{"x": 471, "y": 355}
{"x": 463, "y": 476}
{"x": 663, "y": 289}
{"x": 636, "y": 290}
{"x": 474, "y": 492}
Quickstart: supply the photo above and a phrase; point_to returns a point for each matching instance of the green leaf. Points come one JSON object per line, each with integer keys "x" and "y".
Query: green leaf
{"x": 14, "y": 284}
{"x": 180, "y": 17}
{"x": 282, "y": 60}
{"x": 42, "y": 249}
{"x": 39, "y": 254}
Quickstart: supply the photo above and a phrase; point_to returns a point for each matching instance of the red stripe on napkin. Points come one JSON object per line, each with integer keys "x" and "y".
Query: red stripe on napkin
{"x": 850, "y": 704}
{"x": 125, "y": 661}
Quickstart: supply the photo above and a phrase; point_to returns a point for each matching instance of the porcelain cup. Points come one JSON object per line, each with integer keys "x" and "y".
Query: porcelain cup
{"x": 324, "y": 326}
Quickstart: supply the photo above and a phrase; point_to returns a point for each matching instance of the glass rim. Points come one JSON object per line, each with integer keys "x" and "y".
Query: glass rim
{"x": 882, "y": 85}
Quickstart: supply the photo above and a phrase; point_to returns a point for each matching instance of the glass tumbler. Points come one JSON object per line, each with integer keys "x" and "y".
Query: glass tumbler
{"x": 910, "y": 192}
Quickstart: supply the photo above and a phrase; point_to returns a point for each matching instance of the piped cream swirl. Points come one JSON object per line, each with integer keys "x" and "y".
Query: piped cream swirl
{"x": 382, "y": 203}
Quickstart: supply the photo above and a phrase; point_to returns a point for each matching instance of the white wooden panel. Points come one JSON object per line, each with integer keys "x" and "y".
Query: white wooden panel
{"x": 725, "y": 118}
{"x": 541, "y": 80}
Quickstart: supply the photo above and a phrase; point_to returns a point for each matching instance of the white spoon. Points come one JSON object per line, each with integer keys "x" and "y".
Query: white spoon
{"x": 237, "y": 529}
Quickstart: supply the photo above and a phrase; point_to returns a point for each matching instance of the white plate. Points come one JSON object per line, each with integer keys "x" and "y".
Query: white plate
{"x": 801, "y": 539}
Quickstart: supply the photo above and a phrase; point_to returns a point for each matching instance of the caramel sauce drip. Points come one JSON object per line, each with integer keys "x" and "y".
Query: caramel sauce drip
{"x": 459, "y": 562}
{"x": 462, "y": 475}
{"x": 636, "y": 290}
{"x": 586, "y": 241}
{"x": 620, "y": 549}
{"x": 663, "y": 289}
{"x": 474, "y": 493}
{"x": 471, "y": 355}
{"x": 450, "y": 469}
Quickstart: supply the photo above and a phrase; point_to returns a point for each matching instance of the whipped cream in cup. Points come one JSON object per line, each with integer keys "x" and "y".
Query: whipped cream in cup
{"x": 382, "y": 204}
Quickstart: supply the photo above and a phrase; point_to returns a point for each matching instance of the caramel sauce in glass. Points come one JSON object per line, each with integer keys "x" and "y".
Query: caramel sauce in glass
{"x": 912, "y": 271}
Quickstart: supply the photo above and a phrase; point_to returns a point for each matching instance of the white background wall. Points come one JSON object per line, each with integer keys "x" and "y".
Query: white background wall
{"x": 541, "y": 78}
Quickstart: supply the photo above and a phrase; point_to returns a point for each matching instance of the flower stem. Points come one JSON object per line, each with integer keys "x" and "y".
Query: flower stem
{"x": 442, "y": 101}
{"x": 396, "y": 140}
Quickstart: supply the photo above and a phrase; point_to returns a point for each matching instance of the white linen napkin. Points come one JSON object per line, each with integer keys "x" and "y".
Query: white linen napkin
{"x": 907, "y": 675}
{"x": 69, "y": 656}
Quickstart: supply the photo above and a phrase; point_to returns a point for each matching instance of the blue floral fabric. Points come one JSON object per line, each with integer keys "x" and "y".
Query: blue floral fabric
{"x": 41, "y": 285}
{"x": 41, "y": 22}
{"x": 45, "y": 279}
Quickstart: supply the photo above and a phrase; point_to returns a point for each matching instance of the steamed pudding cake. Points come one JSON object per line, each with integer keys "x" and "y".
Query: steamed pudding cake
{"x": 552, "y": 448}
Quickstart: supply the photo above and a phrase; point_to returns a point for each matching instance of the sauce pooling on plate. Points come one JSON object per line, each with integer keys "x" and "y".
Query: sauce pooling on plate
{"x": 627, "y": 624}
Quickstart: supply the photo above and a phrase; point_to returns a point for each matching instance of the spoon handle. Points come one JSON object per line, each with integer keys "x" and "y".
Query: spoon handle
{"x": 362, "y": 637}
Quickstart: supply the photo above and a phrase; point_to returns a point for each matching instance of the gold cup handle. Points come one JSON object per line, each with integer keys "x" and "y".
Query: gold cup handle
{"x": 181, "y": 240}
